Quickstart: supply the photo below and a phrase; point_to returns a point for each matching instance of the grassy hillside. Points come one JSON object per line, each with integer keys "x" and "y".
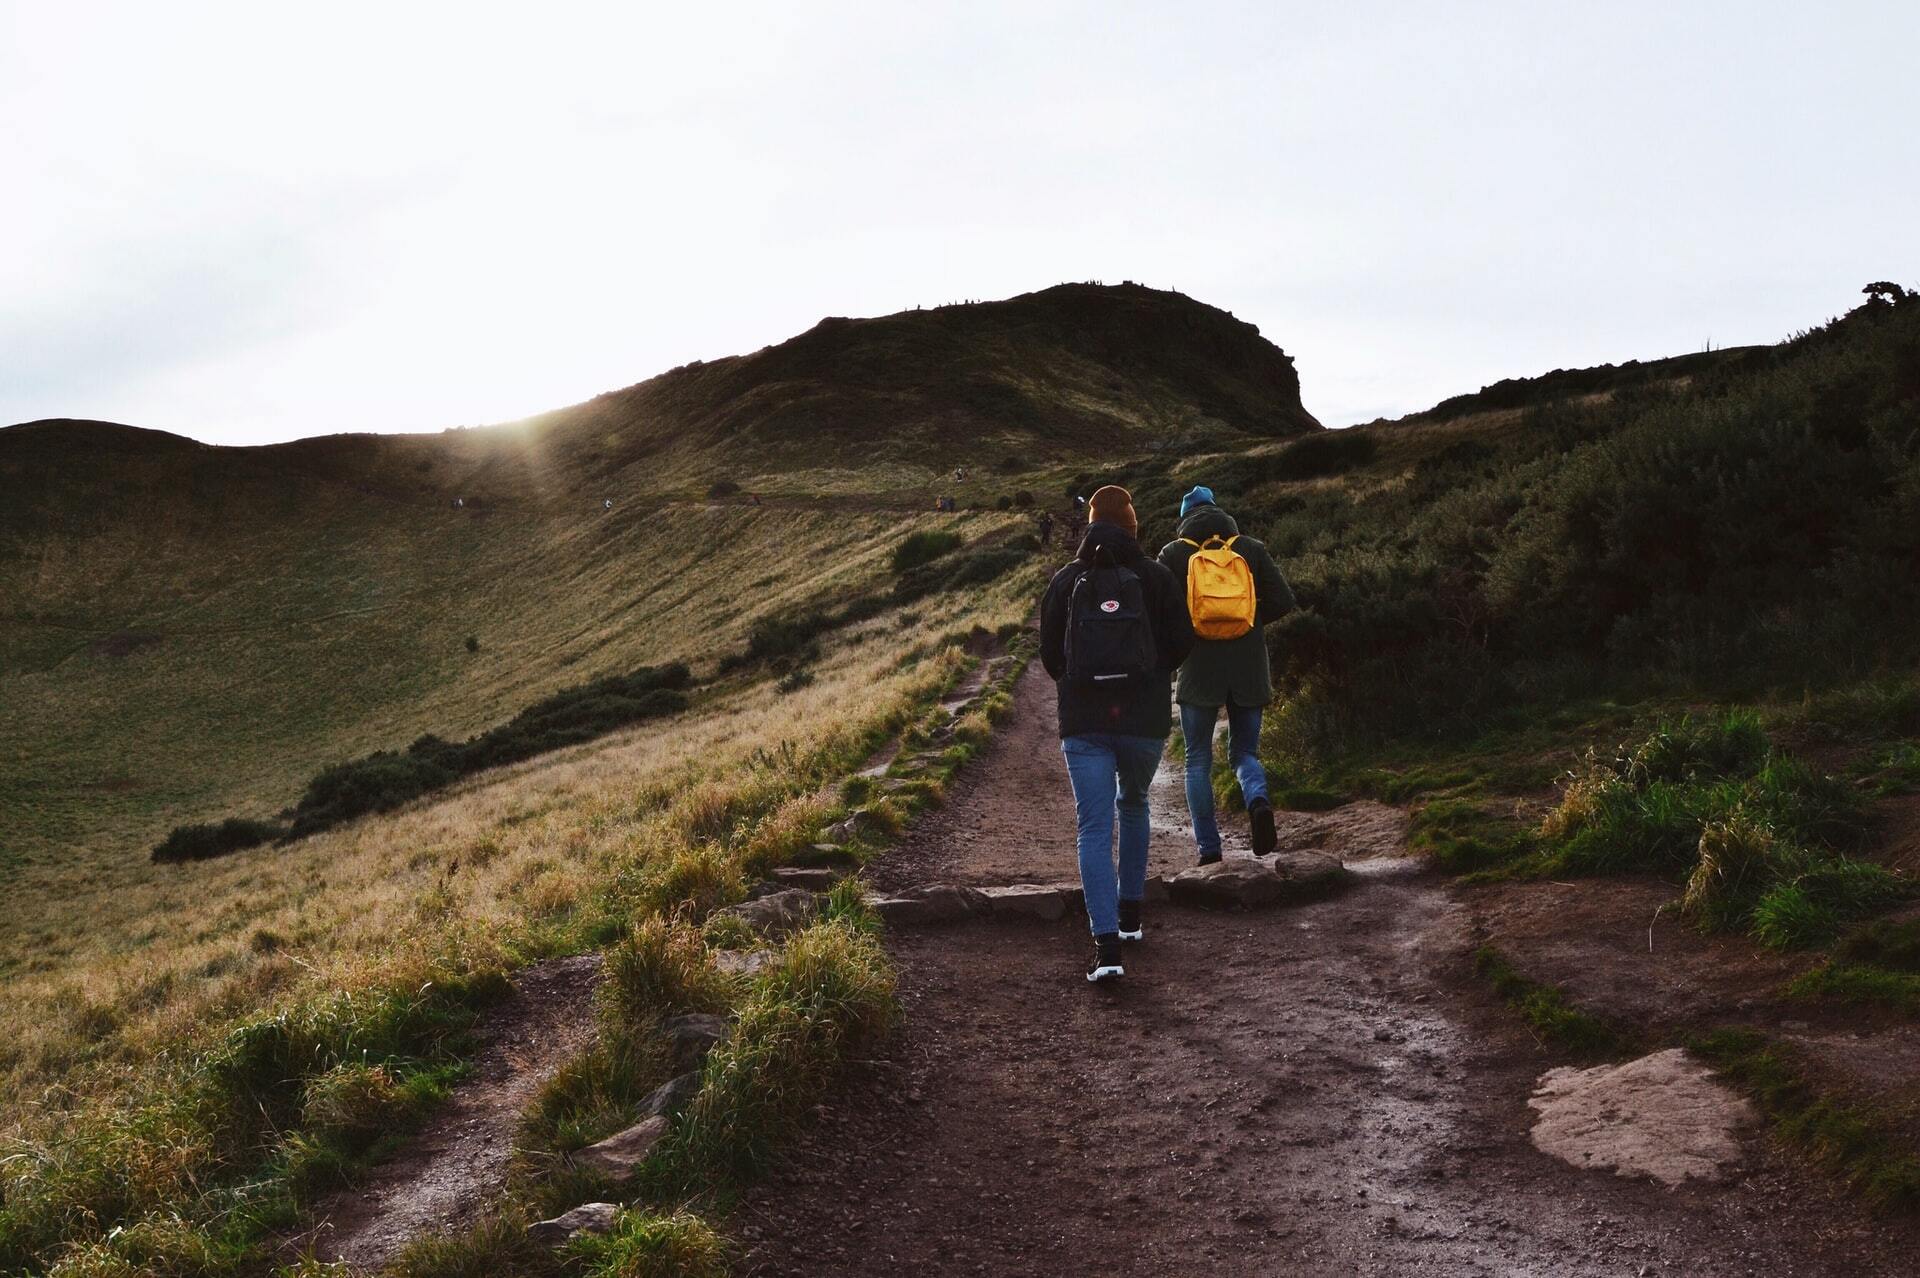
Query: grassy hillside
{"x": 186, "y": 626}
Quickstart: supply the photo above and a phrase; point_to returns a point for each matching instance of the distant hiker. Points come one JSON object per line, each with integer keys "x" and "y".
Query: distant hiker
{"x": 607, "y": 504}
{"x": 1046, "y": 528}
{"x": 1113, "y": 628}
{"x": 753, "y": 499}
{"x": 458, "y": 503}
{"x": 1233, "y": 589}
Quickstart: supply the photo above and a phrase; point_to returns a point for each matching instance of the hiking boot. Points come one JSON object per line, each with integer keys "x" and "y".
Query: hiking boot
{"x": 1106, "y": 958}
{"x": 1208, "y": 858}
{"x": 1260, "y": 813}
{"x": 1130, "y": 921}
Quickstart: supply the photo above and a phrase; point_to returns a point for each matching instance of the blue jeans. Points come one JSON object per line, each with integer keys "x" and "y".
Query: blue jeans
{"x": 1111, "y": 773}
{"x": 1243, "y": 738}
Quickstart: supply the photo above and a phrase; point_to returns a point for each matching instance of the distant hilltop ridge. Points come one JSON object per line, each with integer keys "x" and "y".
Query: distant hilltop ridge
{"x": 1049, "y": 375}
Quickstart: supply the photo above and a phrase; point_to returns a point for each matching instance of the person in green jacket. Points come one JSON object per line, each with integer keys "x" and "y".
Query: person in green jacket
{"x": 1230, "y": 673}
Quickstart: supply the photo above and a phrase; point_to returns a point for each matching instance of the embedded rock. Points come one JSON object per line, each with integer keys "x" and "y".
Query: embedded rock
{"x": 1027, "y": 900}
{"x": 587, "y": 1218}
{"x": 672, "y": 1096}
{"x": 1665, "y": 1116}
{"x": 1248, "y": 883}
{"x": 778, "y": 912}
{"x": 808, "y": 877}
{"x": 618, "y": 1155}
{"x": 582, "y": 1219}
{"x": 831, "y": 855}
{"x": 690, "y": 1037}
{"x": 742, "y": 962}
{"x": 859, "y": 823}
{"x": 943, "y": 903}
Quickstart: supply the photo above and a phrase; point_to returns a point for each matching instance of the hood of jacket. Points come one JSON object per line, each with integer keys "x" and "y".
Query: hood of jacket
{"x": 1208, "y": 521}
{"x": 1114, "y": 539}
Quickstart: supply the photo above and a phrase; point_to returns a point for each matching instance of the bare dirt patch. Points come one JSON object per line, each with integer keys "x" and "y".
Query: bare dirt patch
{"x": 450, "y": 1171}
{"x": 1621, "y": 949}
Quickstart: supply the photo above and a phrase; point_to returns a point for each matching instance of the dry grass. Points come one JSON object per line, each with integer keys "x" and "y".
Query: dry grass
{"x": 552, "y": 855}
{"x": 505, "y": 866}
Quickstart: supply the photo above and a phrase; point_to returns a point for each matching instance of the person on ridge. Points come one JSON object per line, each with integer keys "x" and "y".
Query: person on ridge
{"x": 1113, "y": 629}
{"x": 1229, "y": 666}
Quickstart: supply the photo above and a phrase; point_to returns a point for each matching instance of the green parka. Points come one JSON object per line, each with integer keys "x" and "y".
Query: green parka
{"x": 1229, "y": 671}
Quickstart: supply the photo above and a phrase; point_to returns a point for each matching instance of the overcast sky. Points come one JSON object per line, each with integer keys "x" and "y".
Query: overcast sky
{"x": 250, "y": 222}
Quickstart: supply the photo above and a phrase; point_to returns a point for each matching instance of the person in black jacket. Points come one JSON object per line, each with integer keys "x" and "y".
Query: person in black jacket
{"x": 1114, "y": 718}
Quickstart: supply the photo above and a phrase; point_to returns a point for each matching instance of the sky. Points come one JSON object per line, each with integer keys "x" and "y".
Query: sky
{"x": 253, "y": 222}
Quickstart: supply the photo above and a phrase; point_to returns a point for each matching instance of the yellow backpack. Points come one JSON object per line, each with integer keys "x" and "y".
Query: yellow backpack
{"x": 1219, "y": 589}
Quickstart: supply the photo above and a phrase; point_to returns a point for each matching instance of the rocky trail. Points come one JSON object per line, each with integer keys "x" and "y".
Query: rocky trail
{"x": 1320, "y": 1089}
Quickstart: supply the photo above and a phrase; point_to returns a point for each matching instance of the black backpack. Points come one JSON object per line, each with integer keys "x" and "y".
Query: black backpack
{"x": 1109, "y": 637}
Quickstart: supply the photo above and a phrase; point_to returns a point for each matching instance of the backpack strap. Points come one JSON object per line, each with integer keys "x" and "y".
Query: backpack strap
{"x": 1190, "y": 541}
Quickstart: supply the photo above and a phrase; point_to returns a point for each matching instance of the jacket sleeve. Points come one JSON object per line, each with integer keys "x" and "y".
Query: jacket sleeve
{"x": 1175, "y": 638}
{"x": 1053, "y": 624}
{"x": 1273, "y": 597}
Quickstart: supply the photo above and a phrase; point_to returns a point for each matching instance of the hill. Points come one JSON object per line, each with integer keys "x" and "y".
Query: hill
{"x": 293, "y": 603}
{"x": 1576, "y": 572}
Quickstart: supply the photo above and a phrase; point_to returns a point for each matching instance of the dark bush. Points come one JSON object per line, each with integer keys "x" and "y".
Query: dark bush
{"x": 923, "y": 547}
{"x": 1023, "y": 499}
{"x": 1312, "y": 456}
{"x": 723, "y": 488}
{"x": 473, "y": 643}
{"x": 385, "y": 780}
{"x": 203, "y": 842}
{"x": 1004, "y": 503}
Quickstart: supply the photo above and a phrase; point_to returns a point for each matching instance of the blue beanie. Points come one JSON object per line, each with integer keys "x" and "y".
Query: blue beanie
{"x": 1200, "y": 496}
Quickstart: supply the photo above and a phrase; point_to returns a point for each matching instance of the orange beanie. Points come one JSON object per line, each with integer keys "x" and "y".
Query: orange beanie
{"x": 1114, "y": 505}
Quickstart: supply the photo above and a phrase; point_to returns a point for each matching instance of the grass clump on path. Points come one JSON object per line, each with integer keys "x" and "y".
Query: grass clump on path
{"x": 1877, "y": 965}
{"x": 1849, "y": 1139}
{"x": 1548, "y": 1011}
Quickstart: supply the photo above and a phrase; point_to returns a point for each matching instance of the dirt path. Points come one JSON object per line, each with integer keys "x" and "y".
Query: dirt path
{"x": 448, "y": 1172}
{"x": 1322, "y": 1090}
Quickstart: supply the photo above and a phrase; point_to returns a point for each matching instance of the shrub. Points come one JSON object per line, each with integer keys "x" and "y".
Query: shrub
{"x": 830, "y": 990}
{"x": 1738, "y": 860}
{"x": 1023, "y": 498}
{"x": 923, "y": 547}
{"x": 1316, "y": 455}
{"x": 1003, "y": 503}
{"x": 793, "y": 681}
{"x": 661, "y": 969}
{"x": 643, "y": 1246}
{"x": 202, "y": 842}
{"x": 385, "y": 780}
{"x": 722, "y": 488}
{"x": 695, "y": 881}
{"x": 1893, "y": 946}
{"x": 353, "y": 1103}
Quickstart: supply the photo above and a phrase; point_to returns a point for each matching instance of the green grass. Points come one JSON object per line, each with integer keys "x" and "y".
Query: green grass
{"x": 1853, "y": 1141}
{"x": 1548, "y": 1011}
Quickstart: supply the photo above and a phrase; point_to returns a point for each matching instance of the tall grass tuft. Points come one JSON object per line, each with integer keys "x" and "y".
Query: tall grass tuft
{"x": 832, "y": 988}
{"x": 661, "y": 969}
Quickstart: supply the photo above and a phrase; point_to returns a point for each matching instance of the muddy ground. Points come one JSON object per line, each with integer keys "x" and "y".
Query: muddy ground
{"x": 1322, "y": 1090}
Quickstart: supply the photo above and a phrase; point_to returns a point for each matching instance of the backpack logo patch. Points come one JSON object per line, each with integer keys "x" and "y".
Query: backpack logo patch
{"x": 1110, "y": 605}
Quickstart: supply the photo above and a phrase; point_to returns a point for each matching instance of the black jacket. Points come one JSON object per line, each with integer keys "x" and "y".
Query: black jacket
{"x": 1145, "y": 710}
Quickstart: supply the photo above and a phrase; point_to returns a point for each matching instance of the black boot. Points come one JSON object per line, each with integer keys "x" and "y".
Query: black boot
{"x": 1260, "y": 813}
{"x": 1130, "y": 921}
{"x": 1106, "y": 958}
